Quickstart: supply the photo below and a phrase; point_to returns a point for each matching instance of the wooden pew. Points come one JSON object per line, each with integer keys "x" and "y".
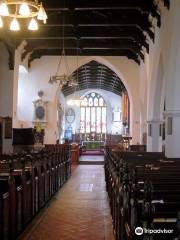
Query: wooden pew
{"x": 142, "y": 187}
{"x": 27, "y": 182}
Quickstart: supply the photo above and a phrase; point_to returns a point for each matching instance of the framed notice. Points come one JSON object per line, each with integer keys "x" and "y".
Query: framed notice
{"x": 150, "y": 130}
{"x": 8, "y": 128}
{"x": 117, "y": 116}
{"x": 169, "y": 126}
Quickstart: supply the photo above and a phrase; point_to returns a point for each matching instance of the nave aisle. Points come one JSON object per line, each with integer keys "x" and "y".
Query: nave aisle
{"x": 80, "y": 211}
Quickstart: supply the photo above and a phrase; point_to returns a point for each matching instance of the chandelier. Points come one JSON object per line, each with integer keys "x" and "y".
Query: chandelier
{"x": 75, "y": 100}
{"x": 65, "y": 77}
{"x": 22, "y": 9}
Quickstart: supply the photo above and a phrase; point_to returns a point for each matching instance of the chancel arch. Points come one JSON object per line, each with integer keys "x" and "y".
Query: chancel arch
{"x": 98, "y": 85}
{"x": 128, "y": 78}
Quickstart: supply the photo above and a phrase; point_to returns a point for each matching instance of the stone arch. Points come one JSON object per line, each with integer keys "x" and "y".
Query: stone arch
{"x": 107, "y": 63}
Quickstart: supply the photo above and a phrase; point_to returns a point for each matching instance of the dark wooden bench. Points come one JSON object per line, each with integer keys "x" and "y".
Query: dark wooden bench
{"x": 27, "y": 183}
{"x": 143, "y": 189}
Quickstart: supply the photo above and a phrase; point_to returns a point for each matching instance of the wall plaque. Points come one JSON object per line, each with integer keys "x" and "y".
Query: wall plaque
{"x": 8, "y": 127}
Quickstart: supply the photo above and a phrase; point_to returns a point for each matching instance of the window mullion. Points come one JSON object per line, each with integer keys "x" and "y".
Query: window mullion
{"x": 101, "y": 119}
{"x": 85, "y": 119}
{"x": 90, "y": 120}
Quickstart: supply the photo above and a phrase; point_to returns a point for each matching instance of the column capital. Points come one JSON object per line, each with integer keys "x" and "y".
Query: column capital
{"x": 172, "y": 113}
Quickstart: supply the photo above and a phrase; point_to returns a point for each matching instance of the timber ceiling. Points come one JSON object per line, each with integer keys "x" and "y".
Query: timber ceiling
{"x": 94, "y": 27}
{"x": 95, "y": 75}
{"x": 91, "y": 28}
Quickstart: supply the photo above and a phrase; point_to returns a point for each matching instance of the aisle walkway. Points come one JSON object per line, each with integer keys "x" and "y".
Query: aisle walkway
{"x": 94, "y": 160}
{"x": 80, "y": 211}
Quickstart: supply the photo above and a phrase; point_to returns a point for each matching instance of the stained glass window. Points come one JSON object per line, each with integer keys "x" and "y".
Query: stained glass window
{"x": 88, "y": 120}
{"x": 93, "y": 114}
{"x": 96, "y": 101}
{"x": 98, "y": 120}
{"x": 84, "y": 102}
{"x": 82, "y": 121}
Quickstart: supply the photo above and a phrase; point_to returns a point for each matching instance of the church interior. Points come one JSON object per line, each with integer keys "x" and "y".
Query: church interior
{"x": 89, "y": 120}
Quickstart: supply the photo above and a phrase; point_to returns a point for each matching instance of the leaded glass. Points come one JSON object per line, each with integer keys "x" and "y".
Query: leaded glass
{"x": 93, "y": 114}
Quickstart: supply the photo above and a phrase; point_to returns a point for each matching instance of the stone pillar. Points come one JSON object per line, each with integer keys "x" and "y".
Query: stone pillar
{"x": 17, "y": 62}
{"x": 172, "y": 147}
{"x": 143, "y": 133}
{"x": 154, "y": 138}
{"x": 172, "y": 113}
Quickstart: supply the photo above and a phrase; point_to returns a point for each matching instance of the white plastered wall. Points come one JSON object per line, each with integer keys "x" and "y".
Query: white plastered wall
{"x": 6, "y": 89}
{"x": 37, "y": 79}
{"x": 162, "y": 77}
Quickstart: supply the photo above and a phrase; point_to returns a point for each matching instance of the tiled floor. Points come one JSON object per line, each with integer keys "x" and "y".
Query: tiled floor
{"x": 80, "y": 211}
{"x": 92, "y": 158}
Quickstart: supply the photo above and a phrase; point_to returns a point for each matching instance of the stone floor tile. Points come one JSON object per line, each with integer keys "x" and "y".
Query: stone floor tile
{"x": 79, "y": 211}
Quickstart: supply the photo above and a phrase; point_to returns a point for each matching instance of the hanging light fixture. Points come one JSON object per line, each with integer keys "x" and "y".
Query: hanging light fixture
{"x": 65, "y": 77}
{"x": 4, "y": 11}
{"x": 42, "y": 14}
{"x": 21, "y": 9}
{"x": 24, "y": 10}
{"x": 33, "y": 26}
{"x": 1, "y": 22}
{"x": 75, "y": 100}
{"x": 14, "y": 26}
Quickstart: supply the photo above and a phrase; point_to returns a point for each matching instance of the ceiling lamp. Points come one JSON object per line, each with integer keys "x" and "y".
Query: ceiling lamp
{"x": 64, "y": 77}
{"x": 24, "y": 10}
{"x": 33, "y": 26}
{"x": 72, "y": 82}
{"x": 75, "y": 100}
{"x": 14, "y": 26}
{"x": 4, "y": 11}
{"x": 42, "y": 14}
{"x": 1, "y": 22}
{"x": 21, "y": 9}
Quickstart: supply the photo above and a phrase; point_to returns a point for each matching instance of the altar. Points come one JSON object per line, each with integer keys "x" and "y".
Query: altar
{"x": 92, "y": 145}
